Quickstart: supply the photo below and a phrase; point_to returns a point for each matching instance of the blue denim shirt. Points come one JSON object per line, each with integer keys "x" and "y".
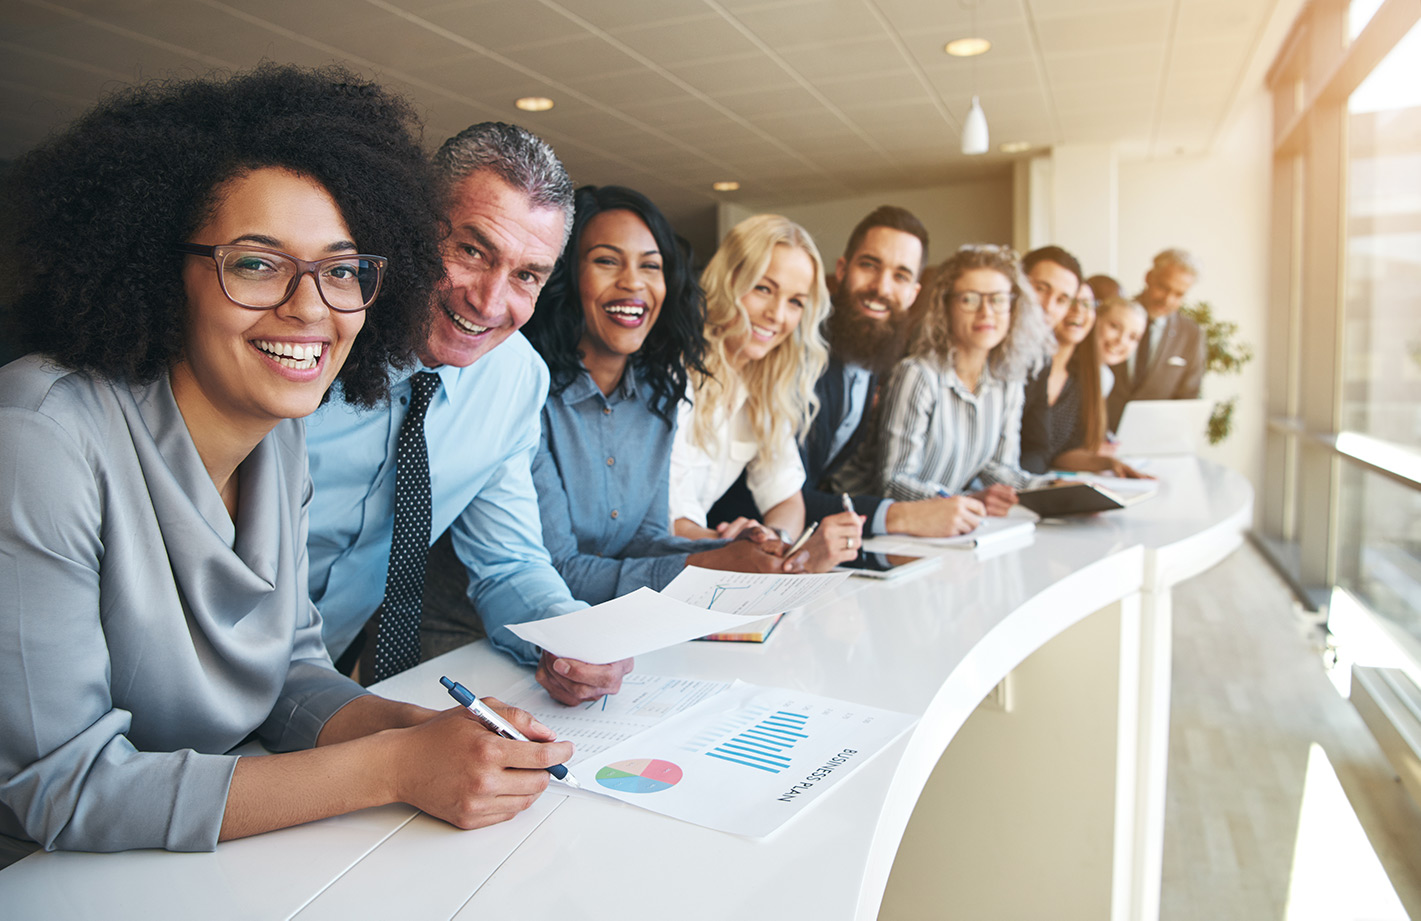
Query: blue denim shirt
{"x": 602, "y": 474}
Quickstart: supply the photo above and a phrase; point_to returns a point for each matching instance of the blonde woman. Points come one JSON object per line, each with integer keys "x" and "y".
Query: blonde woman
{"x": 766, "y": 302}
{"x": 950, "y": 416}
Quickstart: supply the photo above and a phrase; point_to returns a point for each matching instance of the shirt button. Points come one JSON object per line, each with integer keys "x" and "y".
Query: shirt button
{"x": 606, "y": 410}
{"x": 614, "y": 513}
{"x": 611, "y": 461}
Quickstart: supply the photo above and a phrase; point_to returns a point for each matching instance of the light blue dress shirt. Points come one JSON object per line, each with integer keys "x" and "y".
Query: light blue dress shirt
{"x": 602, "y": 474}
{"x": 482, "y": 429}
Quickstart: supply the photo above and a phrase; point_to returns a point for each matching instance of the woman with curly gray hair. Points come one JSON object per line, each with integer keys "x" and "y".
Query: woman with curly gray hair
{"x": 950, "y": 414}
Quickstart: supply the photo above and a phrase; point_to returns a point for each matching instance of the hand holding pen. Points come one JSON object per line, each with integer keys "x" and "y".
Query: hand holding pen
{"x": 833, "y": 540}
{"x": 493, "y": 722}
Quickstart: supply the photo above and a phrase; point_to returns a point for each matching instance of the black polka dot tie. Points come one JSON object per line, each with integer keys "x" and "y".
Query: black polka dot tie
{"x": 397, "y": 644}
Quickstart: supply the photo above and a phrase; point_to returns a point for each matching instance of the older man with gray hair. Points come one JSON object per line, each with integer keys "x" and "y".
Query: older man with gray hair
{"x": 453, "y": 450}
{"x": 1169, "y": 364}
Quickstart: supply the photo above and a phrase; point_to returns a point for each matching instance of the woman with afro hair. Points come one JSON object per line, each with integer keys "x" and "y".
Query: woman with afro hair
{"x": 190, "y": 266}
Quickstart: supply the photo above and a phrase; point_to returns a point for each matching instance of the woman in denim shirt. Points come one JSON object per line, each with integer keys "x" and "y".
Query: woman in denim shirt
{"x": 619, "y": 323}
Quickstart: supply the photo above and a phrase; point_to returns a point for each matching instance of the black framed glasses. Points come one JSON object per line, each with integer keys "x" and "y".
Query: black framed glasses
{"x": 972, "y": 301}
{"x": 259, "y": 278}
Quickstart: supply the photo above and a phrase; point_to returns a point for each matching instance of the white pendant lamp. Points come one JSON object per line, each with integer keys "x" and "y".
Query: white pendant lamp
{"x": 974, "y": 130}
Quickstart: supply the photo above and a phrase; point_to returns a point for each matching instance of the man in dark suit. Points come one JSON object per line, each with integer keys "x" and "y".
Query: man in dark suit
{"x": 1169, "y": 364}
{"x": 876, "y": 281}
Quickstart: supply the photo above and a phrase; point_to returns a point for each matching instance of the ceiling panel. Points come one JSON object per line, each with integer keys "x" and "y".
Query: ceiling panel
{"x": 1094, "y": 32}
{"x": 685, "y": 40}
{"x": 503, "y": 27}
{"x": 790, "y": 97}
{"x": 816, "y": 23}
{"x": 623, "y": 14}
{"x": 864, "y": 55}
{"x": 730, "y": 73}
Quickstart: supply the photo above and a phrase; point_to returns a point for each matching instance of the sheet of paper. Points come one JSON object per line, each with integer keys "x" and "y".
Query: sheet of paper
{"x": 637, "y": 623}
{"x": 1124, "y": 486}
{"x": 750, "y": 593}
{"x": 989, "y": 531}
{"x": 745, "y": 761}
{"x": 596, "y": 725}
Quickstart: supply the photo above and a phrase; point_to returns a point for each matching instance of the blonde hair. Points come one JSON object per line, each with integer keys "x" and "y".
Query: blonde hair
{"x": 780, "y": 386}
{"x": 1112, "y": 304}
{"x": 1029, "y": 342}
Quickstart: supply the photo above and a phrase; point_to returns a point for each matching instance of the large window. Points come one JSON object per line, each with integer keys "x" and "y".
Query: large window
{"x": 1381, "y": 382}
{"x": 1342, "y": 498}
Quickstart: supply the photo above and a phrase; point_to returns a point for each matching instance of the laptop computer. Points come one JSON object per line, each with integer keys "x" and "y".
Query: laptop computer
{"x": 1155, "y": 428}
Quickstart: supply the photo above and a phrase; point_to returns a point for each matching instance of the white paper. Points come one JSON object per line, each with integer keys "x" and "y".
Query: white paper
{"x": 637, "y": 623}
{"x": 750, "y": 593}
{"x": 594, "y": 726}
{"x": 745, "y": 761}
{"x": 1124, "y": 486}
{"x": 989, "y": 531}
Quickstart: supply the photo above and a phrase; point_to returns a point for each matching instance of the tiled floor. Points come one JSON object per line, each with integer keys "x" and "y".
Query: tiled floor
{"x": 1258, "y": 734}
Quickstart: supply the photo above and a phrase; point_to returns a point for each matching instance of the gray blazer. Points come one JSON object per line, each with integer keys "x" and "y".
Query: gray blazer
{"x": 1174, "y": 371}
{"x": 142, "y": 634}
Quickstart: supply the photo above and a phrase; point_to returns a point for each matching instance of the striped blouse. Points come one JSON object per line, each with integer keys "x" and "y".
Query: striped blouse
{"x": 934, "y": 435}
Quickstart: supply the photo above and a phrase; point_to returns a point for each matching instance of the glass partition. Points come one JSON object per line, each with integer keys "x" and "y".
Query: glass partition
{"x": 1381, "y": 393}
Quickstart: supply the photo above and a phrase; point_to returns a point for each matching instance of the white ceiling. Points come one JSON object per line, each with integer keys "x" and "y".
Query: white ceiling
{"x": 799, "y": 100}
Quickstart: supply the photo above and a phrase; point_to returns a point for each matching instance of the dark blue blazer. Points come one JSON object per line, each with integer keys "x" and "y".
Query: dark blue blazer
{"x": 813, "y": 452}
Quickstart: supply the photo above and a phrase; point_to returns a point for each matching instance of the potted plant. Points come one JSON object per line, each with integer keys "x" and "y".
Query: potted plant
{"x": 1224, "y": 354}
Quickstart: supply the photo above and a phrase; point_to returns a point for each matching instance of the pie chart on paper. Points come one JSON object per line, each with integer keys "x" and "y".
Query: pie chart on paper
{"x": 642, "y": 775}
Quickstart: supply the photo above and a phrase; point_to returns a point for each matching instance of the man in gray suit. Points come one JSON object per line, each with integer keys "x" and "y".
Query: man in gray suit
{"x": 1169, "y": 364}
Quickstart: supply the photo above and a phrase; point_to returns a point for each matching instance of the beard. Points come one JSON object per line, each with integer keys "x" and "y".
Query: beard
{"x": 859, "y": 339}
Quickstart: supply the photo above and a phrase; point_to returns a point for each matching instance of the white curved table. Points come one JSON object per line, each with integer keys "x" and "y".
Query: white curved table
{"x": 934, "y": 645}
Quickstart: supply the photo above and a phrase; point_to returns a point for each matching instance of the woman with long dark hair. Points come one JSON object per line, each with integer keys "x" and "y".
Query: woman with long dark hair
{"x": 619, "y": 325}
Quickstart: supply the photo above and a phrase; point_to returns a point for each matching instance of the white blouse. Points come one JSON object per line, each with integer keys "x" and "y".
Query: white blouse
{"x": 699, "y": 476}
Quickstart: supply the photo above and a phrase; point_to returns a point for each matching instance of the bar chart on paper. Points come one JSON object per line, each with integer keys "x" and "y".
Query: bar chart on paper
{"x": 745, "y": 761}
{"x": 767, "y": 745}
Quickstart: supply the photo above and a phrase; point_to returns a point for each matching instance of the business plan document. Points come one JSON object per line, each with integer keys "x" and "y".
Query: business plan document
{"x": 744, "y": 761}
{"x": 594, "y": 726}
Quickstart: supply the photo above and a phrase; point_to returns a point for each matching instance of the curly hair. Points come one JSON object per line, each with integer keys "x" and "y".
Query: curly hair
{"x": 673, "y": 345}
{"x": 93, "y": 216}
{"x": 1029, "y": 342}
{"x": 780, "y": 386}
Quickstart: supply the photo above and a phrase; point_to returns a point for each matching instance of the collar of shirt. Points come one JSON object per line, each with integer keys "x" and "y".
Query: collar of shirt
{"x": 985, "y": 384}
{"x": 451, "y": 380}
{"x": 584, "y": 388}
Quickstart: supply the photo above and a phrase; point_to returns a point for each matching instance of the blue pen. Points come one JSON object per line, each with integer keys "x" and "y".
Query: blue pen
{"x": 944, "y": 493}
{"x": 497, "y": 724}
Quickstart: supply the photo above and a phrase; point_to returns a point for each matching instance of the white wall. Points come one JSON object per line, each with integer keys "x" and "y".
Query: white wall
{"x": 969, "y": 212}
{"x": 1217, "y": 207}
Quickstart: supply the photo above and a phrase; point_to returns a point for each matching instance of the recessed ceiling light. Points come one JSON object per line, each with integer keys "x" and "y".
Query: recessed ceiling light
{"x": 534, "y": 103}
{"x": 726, "y": 185}
{"x": 1015, "y": 146}
{"x": 967, "y": 47}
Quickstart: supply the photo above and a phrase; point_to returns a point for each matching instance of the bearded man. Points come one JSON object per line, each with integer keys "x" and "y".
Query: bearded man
{"x": 877, "y": 280}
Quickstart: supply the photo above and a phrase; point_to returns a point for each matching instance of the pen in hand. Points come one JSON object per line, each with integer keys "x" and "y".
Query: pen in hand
{"x": 798, "y": 545}
{"x": 498, "y": 725}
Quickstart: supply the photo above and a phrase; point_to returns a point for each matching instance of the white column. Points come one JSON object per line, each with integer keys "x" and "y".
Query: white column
{"x": 1085, "y": 205}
